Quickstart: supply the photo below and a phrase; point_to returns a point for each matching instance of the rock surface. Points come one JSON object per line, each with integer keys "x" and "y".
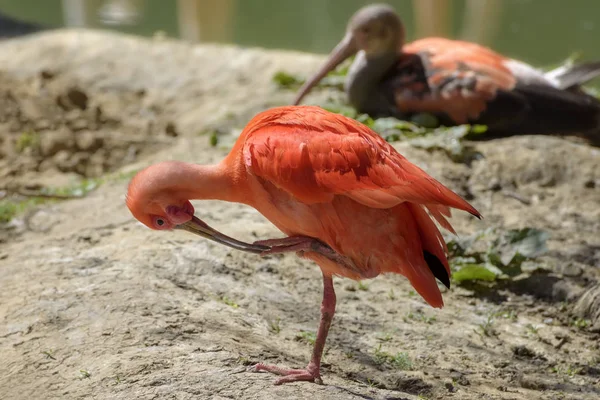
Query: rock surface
{"x": 94, "y": 305}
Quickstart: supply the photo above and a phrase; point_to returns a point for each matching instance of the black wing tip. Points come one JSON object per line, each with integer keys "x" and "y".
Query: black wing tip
{"x": 473, "y": 211}
{"x": 437, "y": 268}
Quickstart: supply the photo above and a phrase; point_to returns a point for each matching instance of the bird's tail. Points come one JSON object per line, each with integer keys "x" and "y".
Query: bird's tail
{"x": 571, "y": 76}
{"x": 425, "y": 254}
{"x": 551, "y": 111}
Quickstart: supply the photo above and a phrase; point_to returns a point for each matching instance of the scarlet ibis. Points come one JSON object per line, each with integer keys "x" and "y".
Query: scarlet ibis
{"x": 459, "y": 82}
{"x": 344, "y": 196}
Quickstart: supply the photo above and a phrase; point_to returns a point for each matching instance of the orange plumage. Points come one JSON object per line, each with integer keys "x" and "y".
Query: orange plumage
{"x": 322, "y": 175}
{"x": 452, "y": 60}
{"x": 348, "y": 200}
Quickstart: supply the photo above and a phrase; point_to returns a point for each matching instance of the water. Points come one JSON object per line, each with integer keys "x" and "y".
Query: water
{"x": 542, "y": 32}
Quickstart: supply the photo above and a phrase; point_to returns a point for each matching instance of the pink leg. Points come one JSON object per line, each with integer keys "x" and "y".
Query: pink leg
{"x": 312, "y": 371}
{"x": 304, "y": 244}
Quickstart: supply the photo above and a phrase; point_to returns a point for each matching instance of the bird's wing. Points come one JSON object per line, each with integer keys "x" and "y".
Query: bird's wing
{"x": 315, "y": 155}
{"x": 461, "y": 78}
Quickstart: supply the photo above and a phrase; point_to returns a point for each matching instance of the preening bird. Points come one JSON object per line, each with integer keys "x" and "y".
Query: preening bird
{"x": 345, "y": 198}
{"x": 459, "y": 82}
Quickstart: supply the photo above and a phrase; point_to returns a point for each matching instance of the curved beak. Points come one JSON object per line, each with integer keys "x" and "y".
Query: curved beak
{"x": 346, "y": 48}
{"x": 200, "y": 228}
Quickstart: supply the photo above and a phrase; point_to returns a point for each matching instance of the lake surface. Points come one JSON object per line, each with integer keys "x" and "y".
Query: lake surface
{"x": 542, "y": 32}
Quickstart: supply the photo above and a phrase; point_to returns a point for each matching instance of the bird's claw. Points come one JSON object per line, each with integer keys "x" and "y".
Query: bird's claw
{"x": 302, "y": 244}
{"x": 285, "y": 245}
{"x": 307, "y": 374}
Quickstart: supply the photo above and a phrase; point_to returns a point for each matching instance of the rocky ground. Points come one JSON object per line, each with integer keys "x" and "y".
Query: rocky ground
{"x": 94, "y": 305}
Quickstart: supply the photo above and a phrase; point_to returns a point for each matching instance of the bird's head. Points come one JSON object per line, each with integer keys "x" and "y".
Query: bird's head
{"x": 159, "y": 197}
{"x": 375, "y": 29}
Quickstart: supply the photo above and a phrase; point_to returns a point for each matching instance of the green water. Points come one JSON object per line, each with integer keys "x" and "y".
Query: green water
{"x": 541, "y": 32}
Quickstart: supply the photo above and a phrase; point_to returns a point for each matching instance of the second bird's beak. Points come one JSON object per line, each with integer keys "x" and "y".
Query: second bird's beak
{"x": 199, "y": 227}
{"x": 346, "y": 48}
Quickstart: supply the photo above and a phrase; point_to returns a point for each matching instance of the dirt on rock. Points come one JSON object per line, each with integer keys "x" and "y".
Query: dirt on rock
{"x": 49, "y": 122}
{"x": 95, "y": 305}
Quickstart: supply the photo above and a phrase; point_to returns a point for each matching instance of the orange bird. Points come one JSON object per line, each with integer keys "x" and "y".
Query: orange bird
{"x": 459, "y": 82}
{"x": 344, "y": 196}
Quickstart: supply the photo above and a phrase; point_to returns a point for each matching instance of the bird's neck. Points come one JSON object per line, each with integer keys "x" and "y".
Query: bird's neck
{"x": 211, "y": 182}
{"x": 364, "y": 77}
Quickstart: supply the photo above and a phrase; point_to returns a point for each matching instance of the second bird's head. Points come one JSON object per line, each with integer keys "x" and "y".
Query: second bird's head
{"x": 375, "y": 30}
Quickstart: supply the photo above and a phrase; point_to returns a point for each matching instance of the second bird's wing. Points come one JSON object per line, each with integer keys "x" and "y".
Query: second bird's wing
{"x": 461, "y": 78}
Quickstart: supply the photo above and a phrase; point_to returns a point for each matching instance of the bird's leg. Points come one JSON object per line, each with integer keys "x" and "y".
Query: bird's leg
{"x": 312, "y": 372}
{"x": 300, "y": 244}
{"x": 285, "y": 245}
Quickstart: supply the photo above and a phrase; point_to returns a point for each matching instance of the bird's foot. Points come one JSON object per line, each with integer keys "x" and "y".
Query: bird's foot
{"x": 301, "y": 244}
{"x": 297, "y": 244}
{"x": 310, "y": 373}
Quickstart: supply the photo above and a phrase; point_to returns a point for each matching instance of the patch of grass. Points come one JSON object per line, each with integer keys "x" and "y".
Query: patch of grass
{"x": 363, "y": 286}
{"x": 348, "y": 111}
{"x": 7, "y": 211}
{"x": 10, "y": 208}
{"x": 566, "y": 370}
{"x": 48, "y": 354}
{"x": 507, "y": 314}
{"x": 411, "y": 293}
{"x": 493, "y": 254}
{"x": 402, "y": 361}
{"x": 275, "y": 325}
{"x": 425, "y": 120}
{"x": 420, "y": 317}
{"x": 117, "y": 379}
{"x": 24, "y": 200}
{"x": 399, "y": 361}
{"x": 563, "y": 307}
{"x": 580, "y": 323}
{"x": 450, "y": 140}
{"x": 29, "y": 139}
{"x": 287, "y": 81}
{"x": 243, "y": 360}
{"x": 79, "y": 189}
{"x": 429, "y": 337}
{"x": 391, "y": 295}
{"x": 307, "y": 337}
{"x": 229, "y": 302}
{"x": 117, "y": 176}
{"x": 487, "y": 327}
{"x": 334, "y": 79}
{"x": 372, "y": 383}
{"x": 83, "y": 374}
{"x": 213, "y": 139}
{"x": 386, "y": 337}
{"x": 379, "y": 356}
{"x": 532, "y": 329}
